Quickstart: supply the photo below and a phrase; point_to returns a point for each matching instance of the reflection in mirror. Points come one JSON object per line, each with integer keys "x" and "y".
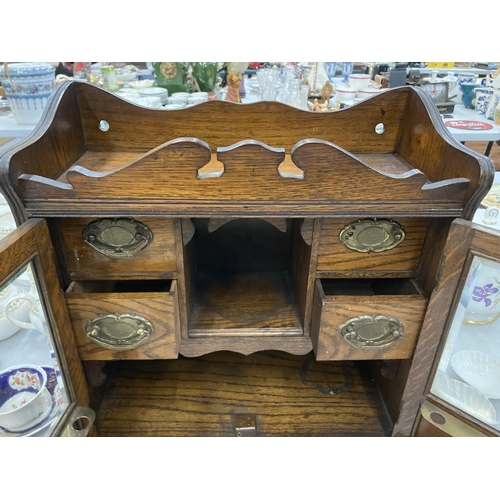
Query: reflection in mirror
{"x": 32, "y": 389}
{"x": 468, "y": 375}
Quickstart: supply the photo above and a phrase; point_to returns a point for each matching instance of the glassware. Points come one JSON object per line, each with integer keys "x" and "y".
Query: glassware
{"x": 291, "y": 93}
{"x": 268, "y": 78}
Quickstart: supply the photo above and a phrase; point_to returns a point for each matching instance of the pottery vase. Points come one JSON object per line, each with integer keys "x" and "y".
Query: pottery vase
{"x": 483, "y": 98}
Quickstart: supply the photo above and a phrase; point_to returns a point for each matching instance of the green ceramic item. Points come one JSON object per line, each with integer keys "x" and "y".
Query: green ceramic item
{"x": 172, "y": 76}
{"x": 205, "y": 74}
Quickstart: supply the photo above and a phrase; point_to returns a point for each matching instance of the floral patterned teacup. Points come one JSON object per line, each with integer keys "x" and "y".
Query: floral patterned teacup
{"x": 24, "y": 397}
{"x": 483, "y": 293}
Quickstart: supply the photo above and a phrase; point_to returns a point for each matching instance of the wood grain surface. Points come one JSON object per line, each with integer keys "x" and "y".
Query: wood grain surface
{"x": 250, "y": 175}
{"x": 245, "y": 304}
{"x": 334, "y": 256}
{"x": 440, "y": 303}
{"x": 31, "y": 243}
{"x": 443, "y": 155}
{"x": 337, "y": 309}
{"x": 157, "y": 260}
{"x": 156, "y": 307}
{"x": 288, "y": 395}
{"x": 414, "y": 140}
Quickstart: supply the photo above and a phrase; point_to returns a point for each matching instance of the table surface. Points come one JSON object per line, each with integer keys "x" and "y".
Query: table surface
{"x": 462, "y": 113}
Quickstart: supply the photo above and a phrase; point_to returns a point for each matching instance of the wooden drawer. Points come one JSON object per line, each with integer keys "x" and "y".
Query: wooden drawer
{"x": 334, "y": 256}
{"x": 154, "y": 261}
{"x": 88, "y": 301}
{"x": 366, "y": 318}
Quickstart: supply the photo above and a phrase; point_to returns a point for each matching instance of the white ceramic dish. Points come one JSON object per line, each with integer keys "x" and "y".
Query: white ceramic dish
{"x": 359, "y": 82}
{"x": 155, "y": 92}
{"x": 363, "y": 94}
{"x": 464, "y": 397}
{"x": 127, "y": 77}
{"x": 346, "y": 95}
{"x": 141, "y": 84}
{"x": 480, "y": 370}
{"x": 174, "y": 106}
{"x": 176, "y": 99}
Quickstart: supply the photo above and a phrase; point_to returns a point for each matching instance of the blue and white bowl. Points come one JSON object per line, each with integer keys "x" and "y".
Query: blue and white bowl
{"x": 24, "y": 397}
{"x": 27, "y": 87}
{"x": 483, "y": 98}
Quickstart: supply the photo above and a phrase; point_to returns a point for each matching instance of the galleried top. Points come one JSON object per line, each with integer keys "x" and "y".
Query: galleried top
{"x": 95, "y": 153}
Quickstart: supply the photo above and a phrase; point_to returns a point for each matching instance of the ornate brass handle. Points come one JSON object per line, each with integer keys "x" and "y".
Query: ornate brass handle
{"x": 372, "y": 333}
{"x": 119, "y": 332}
{"x": 372, "y": 235}
{"x": 118, "y": 238}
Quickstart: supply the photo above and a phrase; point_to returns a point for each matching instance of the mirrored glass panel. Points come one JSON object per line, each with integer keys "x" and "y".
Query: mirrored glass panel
{"x": 32, "y": 390}
{"x": 468, "y": 375}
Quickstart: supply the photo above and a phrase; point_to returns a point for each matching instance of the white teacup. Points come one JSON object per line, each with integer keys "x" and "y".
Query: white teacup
{"x": 481, "y": 294}
{"x": 36, "y": 317}
{"x": 12, "y": 309}
{"x": 24, "y": 397}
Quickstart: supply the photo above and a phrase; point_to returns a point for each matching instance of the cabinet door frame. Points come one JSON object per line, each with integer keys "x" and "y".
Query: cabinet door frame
{"x": 31, "y": 243}
{"x": 465, "y": 240}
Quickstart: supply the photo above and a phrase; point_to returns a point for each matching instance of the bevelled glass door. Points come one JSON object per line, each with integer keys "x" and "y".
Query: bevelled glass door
{"x": 468, "y": 372}
{"x": 38, "y": 396}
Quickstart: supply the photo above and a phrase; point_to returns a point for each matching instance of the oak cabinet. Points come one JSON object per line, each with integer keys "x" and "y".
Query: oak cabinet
{"x": 222, "y": 230}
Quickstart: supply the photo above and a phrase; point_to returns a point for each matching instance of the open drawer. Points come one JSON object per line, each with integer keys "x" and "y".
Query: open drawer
{"x": 366, "y": 318}
{"x": 124, "y": 319}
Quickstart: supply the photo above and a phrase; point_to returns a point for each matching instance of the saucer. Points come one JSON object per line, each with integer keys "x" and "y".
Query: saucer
{"x": 45, "y": 419}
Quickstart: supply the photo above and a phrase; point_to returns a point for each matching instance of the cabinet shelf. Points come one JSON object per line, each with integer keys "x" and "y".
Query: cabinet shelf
{"x": 244, "y": 304}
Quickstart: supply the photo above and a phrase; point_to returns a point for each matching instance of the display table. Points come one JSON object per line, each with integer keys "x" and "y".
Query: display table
{"x": 463, "y": 135}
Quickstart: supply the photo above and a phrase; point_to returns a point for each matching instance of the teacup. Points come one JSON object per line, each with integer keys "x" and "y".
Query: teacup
{"x": 346, "y": 95}
{"x": 24, "y": 397}
{"x": 16, "y": 308}
{"x": 481, "y": 294}
{"x": 176, "y": 99}
{"x": 359, "y": 81}
{"x": 36, "y": 317}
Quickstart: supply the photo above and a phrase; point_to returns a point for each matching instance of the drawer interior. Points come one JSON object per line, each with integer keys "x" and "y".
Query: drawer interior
{"x": 119, "y": 286}
{"x": 370, "y": 287}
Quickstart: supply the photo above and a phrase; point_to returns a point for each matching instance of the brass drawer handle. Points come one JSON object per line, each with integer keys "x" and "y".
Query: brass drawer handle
{"x": 117, "y": 238}
{"x": 372, "y": 235}
{"x": 119, "y": 332}
{"x": 372, "y": 333}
